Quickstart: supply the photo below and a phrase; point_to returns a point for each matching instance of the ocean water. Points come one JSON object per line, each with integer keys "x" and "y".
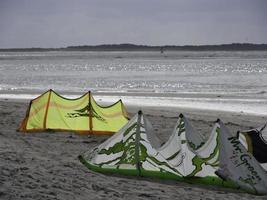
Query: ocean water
{"x": 232, "y": 81}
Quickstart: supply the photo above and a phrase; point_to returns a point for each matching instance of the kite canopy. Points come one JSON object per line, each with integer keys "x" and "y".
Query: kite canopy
{"x": 50, "y": 111}
{"x": 136, "y": 150}
{"x": 232, "y": 161}
{"x": 130, "y": 152}
{"x": 255, "y": 141}
{"x": 238, "y": 165}
{"x": 195, "y": 159}
{"x": 221, "y": 160}
{"x": 179, "y": 151}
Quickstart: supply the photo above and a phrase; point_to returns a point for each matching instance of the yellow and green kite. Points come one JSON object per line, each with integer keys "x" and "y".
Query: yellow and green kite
{"x": 50, "y": 111}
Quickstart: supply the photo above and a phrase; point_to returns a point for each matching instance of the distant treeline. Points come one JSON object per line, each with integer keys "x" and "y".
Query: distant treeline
{"x": 134, "y": 47}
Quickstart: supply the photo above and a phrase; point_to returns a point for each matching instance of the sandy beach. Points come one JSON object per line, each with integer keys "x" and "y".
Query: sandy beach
{"x": 45, "y": 165}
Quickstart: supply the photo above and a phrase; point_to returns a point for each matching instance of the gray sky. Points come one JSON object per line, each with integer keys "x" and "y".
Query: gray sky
{"x": 61, "y": 23}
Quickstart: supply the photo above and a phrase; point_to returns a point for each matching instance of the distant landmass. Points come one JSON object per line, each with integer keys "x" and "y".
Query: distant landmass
{"x": 134, "y": 47}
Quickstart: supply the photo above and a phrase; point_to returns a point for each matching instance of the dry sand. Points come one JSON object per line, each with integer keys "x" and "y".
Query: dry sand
{"x": 45, "y": 165}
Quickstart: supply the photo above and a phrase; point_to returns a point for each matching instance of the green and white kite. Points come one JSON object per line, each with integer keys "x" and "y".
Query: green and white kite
{"x": 131, "y": 151}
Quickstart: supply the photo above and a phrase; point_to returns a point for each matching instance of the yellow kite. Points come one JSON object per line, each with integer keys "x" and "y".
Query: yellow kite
{"x": 50, "y": 111}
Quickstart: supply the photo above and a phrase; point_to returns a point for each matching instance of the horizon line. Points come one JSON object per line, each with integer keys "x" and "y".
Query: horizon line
{"x": 129, "y": 45}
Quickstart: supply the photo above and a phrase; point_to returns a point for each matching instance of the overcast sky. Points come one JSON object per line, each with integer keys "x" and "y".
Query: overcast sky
{"x": 61, "y": 23}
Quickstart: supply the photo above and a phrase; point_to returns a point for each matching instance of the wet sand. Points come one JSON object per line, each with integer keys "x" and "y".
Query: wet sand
{"x": 45, "y": 165}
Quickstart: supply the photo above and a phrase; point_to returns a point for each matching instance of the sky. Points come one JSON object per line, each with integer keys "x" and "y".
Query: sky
{"x": 61, "y": 23}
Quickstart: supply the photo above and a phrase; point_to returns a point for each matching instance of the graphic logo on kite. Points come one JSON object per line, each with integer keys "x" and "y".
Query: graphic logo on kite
{"x": 86, "y": 112}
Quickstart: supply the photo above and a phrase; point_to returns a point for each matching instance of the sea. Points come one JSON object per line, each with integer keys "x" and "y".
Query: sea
{"x": 230, "y": 81}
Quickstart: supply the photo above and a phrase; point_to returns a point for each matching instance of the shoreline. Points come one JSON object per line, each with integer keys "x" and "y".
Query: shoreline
{"x": 213, "y": 104}
{"x": 135, "y": 92}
